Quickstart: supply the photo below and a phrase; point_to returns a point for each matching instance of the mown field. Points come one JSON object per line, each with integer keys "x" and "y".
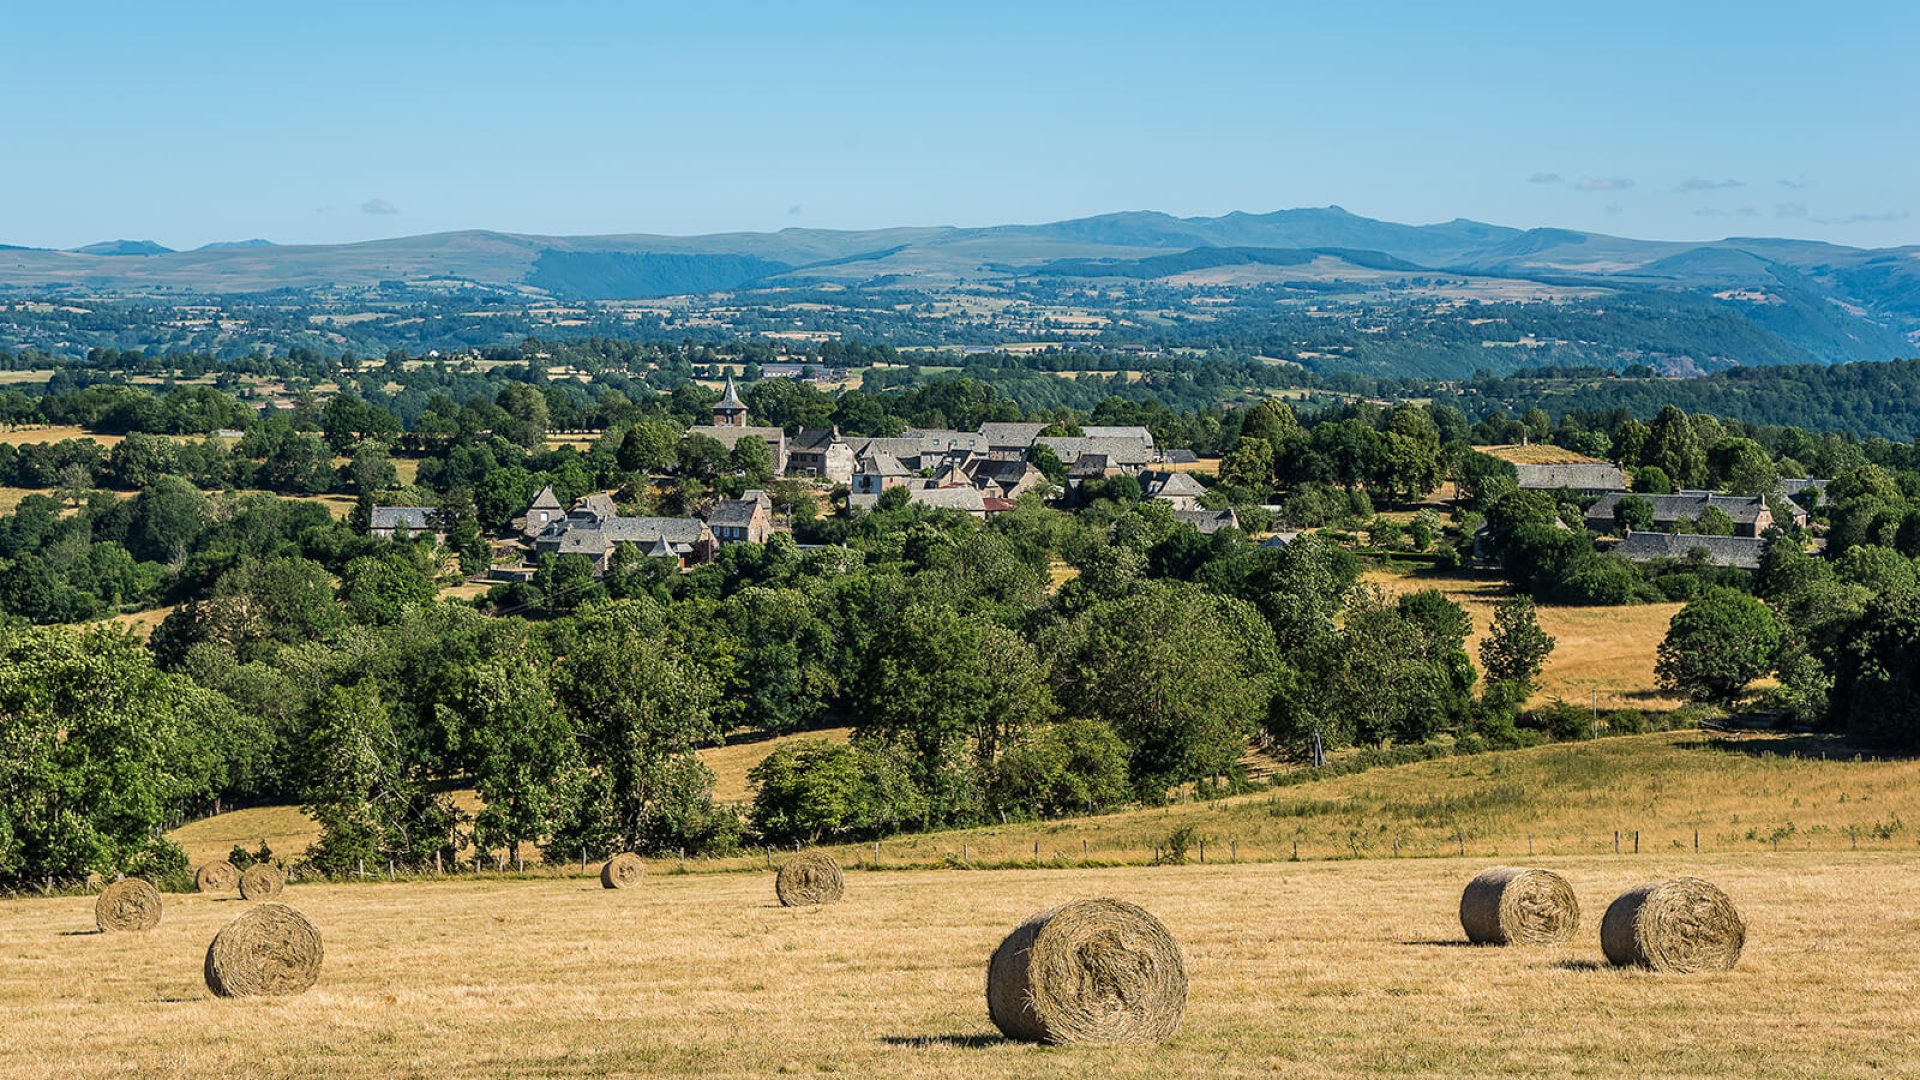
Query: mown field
{"x": 1312, "y": 970}
{"x": 1603, "y": 655}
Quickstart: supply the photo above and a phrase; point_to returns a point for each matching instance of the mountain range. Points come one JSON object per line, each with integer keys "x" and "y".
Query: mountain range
{"x": 1861, "y": 303}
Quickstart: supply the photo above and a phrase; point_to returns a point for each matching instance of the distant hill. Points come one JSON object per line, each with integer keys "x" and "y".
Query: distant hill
{"x": 124, "y": 247}
{"x": 1821, "y": 301}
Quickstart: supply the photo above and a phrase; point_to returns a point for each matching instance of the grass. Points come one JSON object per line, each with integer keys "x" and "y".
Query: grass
{"x": 1608, "y": 652}
{"x": 731, "y": 763}
{"x": 1316, "y": 970}
{"x": 53, "y": 433}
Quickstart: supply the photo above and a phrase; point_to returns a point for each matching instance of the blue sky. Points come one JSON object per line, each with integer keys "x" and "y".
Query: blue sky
{"x": 193, "y": 122}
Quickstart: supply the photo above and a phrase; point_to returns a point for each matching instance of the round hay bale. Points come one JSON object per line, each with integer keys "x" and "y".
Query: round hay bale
{"x": 127, "y": 904}
{"x": 1090, "y": 973}
{"x": 1684, "y": 924}
{"x": 809, "y": 878}
{"x": 216, "y": 876}
{"x": 1513, "y": 905}
{"x": 623, "y": 871}
{"x": 262, "y": 881}
{"x": 270, "y": 950}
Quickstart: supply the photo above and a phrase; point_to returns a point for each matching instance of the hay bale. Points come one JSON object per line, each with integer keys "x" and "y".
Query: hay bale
{"x": 127, "y": 904}
{"x": 1513, "y": 905}
{"x": 262, "y": 881}
{"x": 1091, "y": 973}
{"x": 270, "y": 950}
{"x": 1684, "y": 924}
{"x": 623, "y": 871}
{"x": 809, "y": 878}
{"x": 216, "y": 876}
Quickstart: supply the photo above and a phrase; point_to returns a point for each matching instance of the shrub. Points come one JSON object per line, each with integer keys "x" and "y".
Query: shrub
{"x": 1561, "y": 721}
{"x": 1627, "y": 722}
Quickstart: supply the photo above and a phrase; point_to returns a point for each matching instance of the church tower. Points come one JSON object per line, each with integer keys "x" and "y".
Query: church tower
{"x": 731, "y": 411}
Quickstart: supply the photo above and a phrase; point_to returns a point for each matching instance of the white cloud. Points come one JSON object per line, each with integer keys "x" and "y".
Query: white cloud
{"x": 1790, "y": 210}
{"x": 1544, "y": 178}
{"x": 1603, "y": 183}
{"x": 1698, "y": 184}
{"x": 378, "y": 206}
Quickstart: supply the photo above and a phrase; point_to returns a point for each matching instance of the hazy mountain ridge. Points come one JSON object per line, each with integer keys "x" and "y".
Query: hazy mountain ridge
{"x": 1828, "y": 301}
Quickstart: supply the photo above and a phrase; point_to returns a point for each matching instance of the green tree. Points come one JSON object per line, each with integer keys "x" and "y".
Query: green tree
{"x": 1516, "y": 649}
{"x": 1633, "y": 514}
{"x": 1717, "y": 645}
{"x": 378, "y": 589}
{"x": 525, "y": 761}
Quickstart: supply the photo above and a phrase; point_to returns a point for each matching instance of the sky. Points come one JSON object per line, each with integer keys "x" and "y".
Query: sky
{"x": 189, "y": 122}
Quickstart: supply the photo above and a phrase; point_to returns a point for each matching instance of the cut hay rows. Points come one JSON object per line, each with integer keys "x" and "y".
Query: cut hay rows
{"x": 1089, "y": 972}
{"x": 809, "y": 878}
{"x": 127, "y": 904}
{"x": 262, "y": 881}
{"x": 1680, "y": 925}
{"x": 623, "y": 871}
{"x": 270, "y": 951}
{"x": 216, "y": 876}
{"x": 1512, "y": 905}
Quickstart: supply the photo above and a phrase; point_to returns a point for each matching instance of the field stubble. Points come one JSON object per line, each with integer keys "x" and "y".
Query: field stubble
{"x": 1306, "y": 970}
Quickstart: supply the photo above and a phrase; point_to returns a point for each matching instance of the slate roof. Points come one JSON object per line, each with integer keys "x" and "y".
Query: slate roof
{"x": 1738, "y": 551}
{"x": 595, "y": 507}
{"x": 1180, "y": 457}
{"x": 881, "y": 463}
{"x": 1118, "y": 451}
{"x": 730, "y": 399}
{"x": 1088, "y": 466}
{"x": 1744, "y": 510}
{"x": 1574, "y": 476}
{"x": 1174, "y": 486}
{"x": 411, "y": 518}
{"x": 1009, "y": 434}
{"x": 574, "y": 537}
{"x": 813, "y": 440}
{"x": 1208, "y": 521}
{"x": 1132, "y": 431}
{"x": 936, "y": 439}
{"x": 774, "y": 437}
{"x": 545, "y": 500}
{"x": 737, "y": 513}
{"x": 1793, "y": 489}
{"x": 950, "y": 498}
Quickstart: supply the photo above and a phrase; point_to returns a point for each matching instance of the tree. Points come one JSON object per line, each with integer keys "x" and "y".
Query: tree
{"x": 1249, "y": 465}
{"x": 378, "y": 589}
{"x": 1633, "y": 514}
{"x": 1180, "y": 673}
{"x": 752, "y": 459}
{"x": 1674, "y": 446}
{"x": 360, "y": 785}
{"x": 1073, "y": 767}
{"x": 99, "y": 751}
{"x": 525, "y": 760}
{"x": 1516, "y": 649}
{"x": 1717, "y": 645}
{"x": 814, "y": 790}
{"x": 1876, "y": 676}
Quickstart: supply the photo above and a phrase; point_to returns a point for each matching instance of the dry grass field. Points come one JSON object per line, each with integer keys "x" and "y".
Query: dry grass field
{"x": 1604, "y": 651}
{"x": 1314, "y": 970}
{"x": 53, "y": 433}
{"x": 1537, "y": 454}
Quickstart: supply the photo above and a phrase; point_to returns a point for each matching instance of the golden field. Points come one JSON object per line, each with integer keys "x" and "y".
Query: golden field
{"x": 1608, "y": 651}
{"x": 1312, "y": 970}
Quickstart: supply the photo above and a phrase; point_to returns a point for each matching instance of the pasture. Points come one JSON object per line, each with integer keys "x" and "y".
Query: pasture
{"x": 1316, "y": 970}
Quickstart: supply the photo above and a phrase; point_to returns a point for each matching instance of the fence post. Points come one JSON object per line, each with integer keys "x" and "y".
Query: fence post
{"x": 1853, "y": 835}
{"x": 1396, "y": 847}
{"x": 1616, "y": 841}
{"x": 436, "y": 863}
{"x": 1235, "y": 855}
{"x": 1529, "y": 845}
{"x": 1203, "y": 852}
{"x": 1296, "y": 851}
{"x": 1083, "y": 849}
{"x": 1036, "y": 851}
{"x": 1696, "y": 839}
{"x": 1636, "y": 841}
{"x": 963, "y": 854}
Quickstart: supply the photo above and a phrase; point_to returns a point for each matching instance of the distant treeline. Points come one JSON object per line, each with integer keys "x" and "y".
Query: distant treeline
{"x": 1865, "y": 400}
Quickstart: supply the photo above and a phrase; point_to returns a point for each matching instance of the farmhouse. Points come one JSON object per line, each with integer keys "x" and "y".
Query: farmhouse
{"x": 1180, "y": 489}
{"x": 1750, "y": 515}
{"x": 390, "y": 521}
{"x": 1128, "y": 454}
{"x": 823, "y": 453}
{"x": 746, "y": 520}
{"x": 688, "y": 539}
{"x": 1208, "y": 521}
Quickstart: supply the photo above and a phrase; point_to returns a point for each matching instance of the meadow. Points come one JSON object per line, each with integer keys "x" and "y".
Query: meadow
{"x": 1316, "y": 970}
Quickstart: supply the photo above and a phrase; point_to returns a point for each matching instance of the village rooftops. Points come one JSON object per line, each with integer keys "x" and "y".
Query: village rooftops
{"x": 1123, "y": 453}
{"x": 1208, "y": 521}
{"x": 1135, "y": 432}
{"x": 1010, "y": 435}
